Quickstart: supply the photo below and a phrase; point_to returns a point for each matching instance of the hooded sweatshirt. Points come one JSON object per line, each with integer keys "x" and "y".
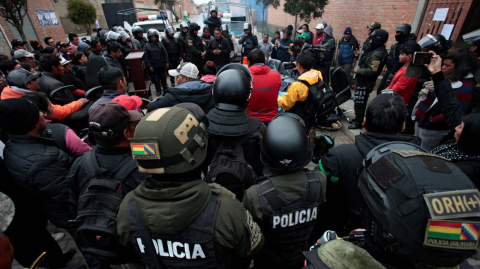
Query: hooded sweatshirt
{"x": 266, "y": 84}
{"x": 298, "y": 92}
{"x": 328, "y": 43}
{"x": 194, "y": 91}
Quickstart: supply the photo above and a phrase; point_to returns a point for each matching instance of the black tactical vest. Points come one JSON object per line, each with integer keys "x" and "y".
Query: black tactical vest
{"x": 193, "y": 247}
{"x": 155, "y": 50}
{"x": 287, "y": 224}
{"x": 173, "y": 46}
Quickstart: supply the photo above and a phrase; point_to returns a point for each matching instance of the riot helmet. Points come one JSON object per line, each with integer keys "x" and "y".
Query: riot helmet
{"x": 213, "y": 10}
{"x": 169, "y": 141}
{"x": 435, "y": 43}
{"x": 247, "y": 26}
{"x": 170, "y": 30}
{"x": 404, "y": 30}
{"x": 137, "y": 29}
{"x": 112, "y": 36}
{"x": 152, "y": 32}
{"x": 119, "y": 29}
{"x": 232, "y": 88}
{"x": 184, "y": 24}
{"x": 408, "y": 193}
{"x": 379, "y": 36}
{"x": 114, "y": 28}
{"x": 123, "y": 34}
{"x": 285, "y": 145}
{"x": 193, "y": 27}
{"x": 224, "y": 27}
{"x": 103, "y": 34}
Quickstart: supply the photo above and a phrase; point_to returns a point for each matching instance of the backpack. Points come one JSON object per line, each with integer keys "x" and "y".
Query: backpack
{"x": 319, "y": 57}
{"x": 319, "y": 104}
{"x": 97, "y": 209}
{"x": 229, "y": 167}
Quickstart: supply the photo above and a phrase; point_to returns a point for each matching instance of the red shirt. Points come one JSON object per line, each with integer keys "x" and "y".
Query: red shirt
{"x": 402, "y": 85}
{"x": 263, "y": 100}
{"x": 317, "y": 39}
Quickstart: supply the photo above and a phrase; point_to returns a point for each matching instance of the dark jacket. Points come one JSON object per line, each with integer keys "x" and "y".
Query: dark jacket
{"x": 345, "y": 50}
{"x": 71, "y": 79}
{"x": 141, "y": 43}
{"x": 49, "y": 82}
{"x": 371, "y": 65}
{"x": 412, "y": 40}
{"x": 40, "y": 167}
{"x": 111, "y": 61}
{"x": 108, "y": 158}
{"x": 173, "y": 46}
{"x": 275, "y": 50}
{"x": 80, "y": 71}
{"x": 248, "y": 43}
{"x": 194, "y": 47}
{"x": 345, "y": 163}
{"x": 224, "y": 46}
{"x": 155, "y": 55}
{"x": 107, "y": 96}
{"x": 195, "y": 91}
{"x": 283, "y": 55}
{"x": 213, "y": 23}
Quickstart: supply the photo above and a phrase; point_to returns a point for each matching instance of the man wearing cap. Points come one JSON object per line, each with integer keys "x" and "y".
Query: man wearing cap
{"x": 113, "y": 82}
{"x": 23, "y": 56}
{"x": 188, "y": 89}
{"x": 113, "y": 126}
{"x": 63, "y": 49}
{"x": 318, "y": 37}
{"x": 207, "y": 227}
{"x": 213, "y": 22}
{"x": 348, "y": 44}
{"x": 17, "y": 44}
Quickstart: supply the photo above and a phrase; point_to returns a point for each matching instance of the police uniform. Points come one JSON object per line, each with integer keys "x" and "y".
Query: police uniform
{"x": 175, "y": 50}
{"x": 194, "y": 47}
{"x": 174, "y": 219}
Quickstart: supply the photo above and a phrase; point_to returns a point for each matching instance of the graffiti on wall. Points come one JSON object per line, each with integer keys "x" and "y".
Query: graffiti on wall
{"x": 47, "y": 17}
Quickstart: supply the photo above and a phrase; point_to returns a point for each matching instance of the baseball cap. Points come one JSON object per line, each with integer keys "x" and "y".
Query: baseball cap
{"x": 17, "y": 42}
{"x": 319, "y": 26}
{"x": 186, "y": 69}
{"x": 63, "y": 61}
{"x": 23, "y": 53}
{"x": 61, "y": 44}
{"x": 19, "y": 77}
{"x": 304, "y": 36}
{"x": 7, "y": 211}
{"x": 297, "y": 42}
{"x": 374, "y": 26}
{"x": 108, "y": 120}
{"x": 129, "y": 102}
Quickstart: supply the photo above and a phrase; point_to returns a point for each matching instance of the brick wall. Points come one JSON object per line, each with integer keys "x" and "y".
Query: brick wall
{"x": 356, "y": 14}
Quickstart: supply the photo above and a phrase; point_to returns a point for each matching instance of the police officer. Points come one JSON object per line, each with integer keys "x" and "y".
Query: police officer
{"x": 213, "y": 22}
{"x": 370, "y": 66}
{"x": 436, "y": 43}
{"x": 232, "y": 41}
{"x": 184, "y": 31}
{"x": 249, "y": 41}
{"x": 285, "y": 205}
{"x": 122, "y": 40}
{"x": 156, "y": 60}
{"x": 174, "y": 50}
{"x": 366, "y": 45}
{"x": 138, "y": 40}
{"x": 194, "y": 46}
{"x": 428, "y": 235}
{"x": 174, "y": 219}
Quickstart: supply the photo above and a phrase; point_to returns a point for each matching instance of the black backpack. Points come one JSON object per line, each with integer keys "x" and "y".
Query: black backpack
{"x": 319, "y": 104}
{"x": 97, "y": 209}
{"x": 319, "y": 57}
{"x": 229, "y": 167}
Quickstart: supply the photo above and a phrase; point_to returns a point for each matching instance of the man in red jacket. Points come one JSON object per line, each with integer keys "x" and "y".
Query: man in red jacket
{"x": 266, "y": 84}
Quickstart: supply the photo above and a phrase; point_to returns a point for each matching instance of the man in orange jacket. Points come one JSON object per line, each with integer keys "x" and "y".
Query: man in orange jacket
{"x": 21, "y": 81}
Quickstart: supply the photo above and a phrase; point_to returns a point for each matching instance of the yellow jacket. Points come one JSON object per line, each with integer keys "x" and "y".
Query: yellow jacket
{"x": 298, "y": 91}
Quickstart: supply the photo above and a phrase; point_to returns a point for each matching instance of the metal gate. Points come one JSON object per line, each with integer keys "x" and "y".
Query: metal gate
{"x": 110, "y": 11}
{"x": 27, "y": 29}
{"x": 457, "y": 12}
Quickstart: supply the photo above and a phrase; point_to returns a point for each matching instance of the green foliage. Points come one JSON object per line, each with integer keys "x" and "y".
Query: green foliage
{"x": 81, "y": 12}
{"x": 14, "y": 12}
{"x": 305, "y": 9}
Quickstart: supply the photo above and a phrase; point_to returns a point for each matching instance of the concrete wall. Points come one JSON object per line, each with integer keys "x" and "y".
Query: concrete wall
{"x": 69, "y": 26}
{"x": 356, "y": 14}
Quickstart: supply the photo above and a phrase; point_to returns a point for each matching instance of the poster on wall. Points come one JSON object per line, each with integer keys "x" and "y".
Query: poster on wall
{"x": 47, "y": 17}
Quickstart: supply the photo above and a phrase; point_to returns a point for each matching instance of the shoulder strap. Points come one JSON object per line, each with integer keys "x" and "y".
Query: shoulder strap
{"x": 124, "y": 169}
{"x": 255, "y": 124}
{"x": 314, "y": 186}
{"x": 267, "y": 189}
{"x": 90, "y": 164}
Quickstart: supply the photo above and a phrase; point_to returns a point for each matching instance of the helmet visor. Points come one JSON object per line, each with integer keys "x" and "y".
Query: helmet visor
{"x": 170, "y": 30}
{"x": 224, "y": 27}
{"x": 246, "y": 26}
{"x": 428, "y": 41}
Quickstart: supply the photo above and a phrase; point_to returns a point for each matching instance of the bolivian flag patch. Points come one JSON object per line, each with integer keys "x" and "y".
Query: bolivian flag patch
{"x": 145, "y": 151}
{"x": 452, "y": 234}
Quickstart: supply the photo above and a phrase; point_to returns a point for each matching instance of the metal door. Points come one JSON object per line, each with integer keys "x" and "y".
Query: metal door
{"x": 457, "y": 12}
{"x": 27, "y": 29}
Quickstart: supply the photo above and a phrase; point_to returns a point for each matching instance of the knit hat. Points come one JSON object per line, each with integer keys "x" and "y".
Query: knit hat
{"x": 35, "y": 44}
{"x": 348, "y": 31}
{"x": 83, "y": 47}
{"x": 18, "y": 116}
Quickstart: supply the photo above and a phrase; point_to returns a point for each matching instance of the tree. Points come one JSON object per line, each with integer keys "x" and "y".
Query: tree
{"x": 305, "y": 9}
{"x": 81, "y": 12}
{"x": 266, "y": 3}
{"x": 169, "y": 5}
{"x": 14, "y": 11}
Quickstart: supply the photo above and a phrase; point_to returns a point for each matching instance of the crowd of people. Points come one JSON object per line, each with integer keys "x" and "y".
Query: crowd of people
{"x": 212, "y": 175}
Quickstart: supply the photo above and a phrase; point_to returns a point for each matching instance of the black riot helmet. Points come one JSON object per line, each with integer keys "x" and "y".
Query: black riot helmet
{"x": 232, "y": 88}
{"x": 170, "y": 30}
{"x": 379, "y": 36}
{"x": 194, "y": 27}
{"x": 435, "y": 43}
{"x": 285, "y": 144}
{"x": 407, "y": 192}
{"x": 137, "y": 29}
{"x": 183, "y": 25}
{"x": 152, "y": 32}
{"x": 404, "y": 28}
